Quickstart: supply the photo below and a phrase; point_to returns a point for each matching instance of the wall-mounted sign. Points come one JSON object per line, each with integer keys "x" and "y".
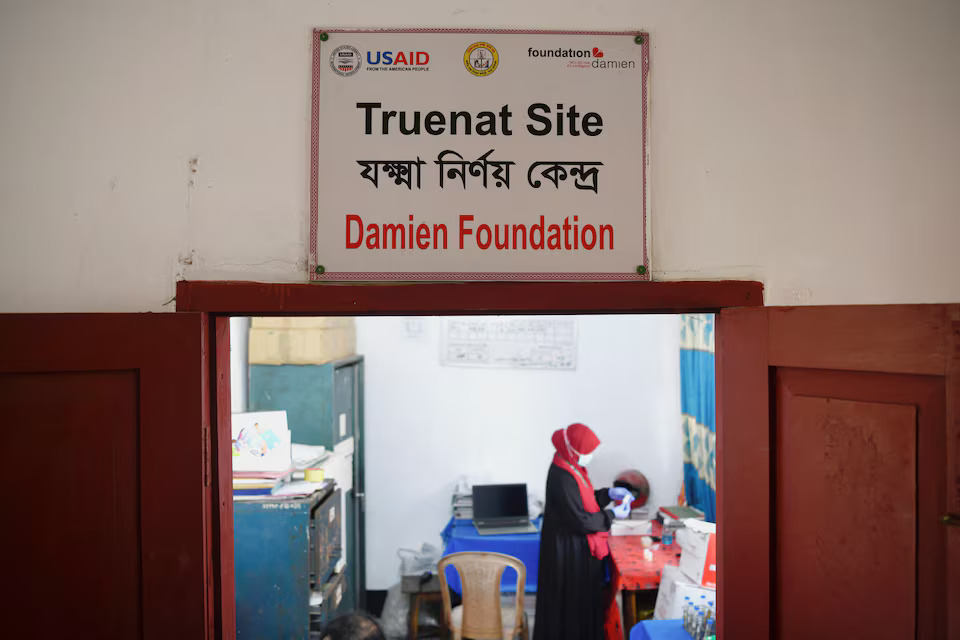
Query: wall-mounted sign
{"x": 458, "y": 155}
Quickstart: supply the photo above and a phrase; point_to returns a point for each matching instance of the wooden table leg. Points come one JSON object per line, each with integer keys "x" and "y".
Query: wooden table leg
{"x": 629, "y": 598}
{"x": 414, "y": 616}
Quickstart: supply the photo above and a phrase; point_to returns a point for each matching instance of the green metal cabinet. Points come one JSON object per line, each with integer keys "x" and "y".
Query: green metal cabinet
{"x": 306, "y": 392}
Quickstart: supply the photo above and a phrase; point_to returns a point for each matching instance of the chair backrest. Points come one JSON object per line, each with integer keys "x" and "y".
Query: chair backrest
{"x": 480, "y": 574}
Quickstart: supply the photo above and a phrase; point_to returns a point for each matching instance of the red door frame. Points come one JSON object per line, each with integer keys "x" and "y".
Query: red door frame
{"x": 220, "y": 300}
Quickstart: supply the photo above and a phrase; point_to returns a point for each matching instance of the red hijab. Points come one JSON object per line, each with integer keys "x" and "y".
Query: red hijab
{"x": 571, "y": 443}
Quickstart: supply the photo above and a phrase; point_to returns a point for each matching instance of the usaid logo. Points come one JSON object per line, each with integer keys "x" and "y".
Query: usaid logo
{"x": 398, "y": 58}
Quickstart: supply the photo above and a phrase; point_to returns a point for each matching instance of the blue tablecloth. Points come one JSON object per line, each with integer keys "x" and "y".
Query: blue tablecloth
{"x": 659, "y": 630}
{"x": 460, "y": 535}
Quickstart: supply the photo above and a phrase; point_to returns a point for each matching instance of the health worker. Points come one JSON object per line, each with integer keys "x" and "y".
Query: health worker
{"x": 571, "y": 602}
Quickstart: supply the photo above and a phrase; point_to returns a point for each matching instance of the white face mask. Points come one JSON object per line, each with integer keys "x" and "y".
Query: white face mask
{"x": 585, "y": 459}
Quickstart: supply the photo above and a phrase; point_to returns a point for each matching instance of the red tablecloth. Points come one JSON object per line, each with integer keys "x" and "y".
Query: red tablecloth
{"x": 631, "y": 570}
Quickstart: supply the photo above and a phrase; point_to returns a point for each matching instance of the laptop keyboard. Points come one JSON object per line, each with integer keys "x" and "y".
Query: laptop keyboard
{"x": 492, "y": 531}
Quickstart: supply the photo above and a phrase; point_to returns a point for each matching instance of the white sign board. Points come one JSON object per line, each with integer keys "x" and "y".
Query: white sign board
{"x": 514, "y": 342}
{"x": 479, "y": 155}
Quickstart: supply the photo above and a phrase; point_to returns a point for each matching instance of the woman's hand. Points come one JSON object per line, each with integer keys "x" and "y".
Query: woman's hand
{"x": 618, "y": 493}
{"x": 620, "y": 510}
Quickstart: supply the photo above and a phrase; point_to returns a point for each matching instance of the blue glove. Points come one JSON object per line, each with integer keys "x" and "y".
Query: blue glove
{"x": 618, "y": 493}
{"x": 621, "y": 510}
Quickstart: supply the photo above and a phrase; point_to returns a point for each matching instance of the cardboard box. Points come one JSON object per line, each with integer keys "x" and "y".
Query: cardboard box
{"x": 301, "y": 346}
{"x": 674, "y": 591}
{"x": 312, "y": 322}
{"x": 698, "y": 556}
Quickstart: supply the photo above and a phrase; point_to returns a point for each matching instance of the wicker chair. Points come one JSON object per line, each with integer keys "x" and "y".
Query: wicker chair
{"x": 481, "y": 616}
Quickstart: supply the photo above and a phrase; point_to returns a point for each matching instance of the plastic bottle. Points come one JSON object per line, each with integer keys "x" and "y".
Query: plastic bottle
{"x": 685, "y": 611}
{"x": 666, "y": 536}
{"x": 707, "y": 624}
{"x": 710, "y": 633}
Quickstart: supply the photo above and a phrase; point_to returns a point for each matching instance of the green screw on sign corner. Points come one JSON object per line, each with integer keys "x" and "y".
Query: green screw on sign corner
{"x": 323, "y": 38}
{"x": 642, "y": 270}
{"x": 638, "y": 40}
{"x": 319, "y": 269}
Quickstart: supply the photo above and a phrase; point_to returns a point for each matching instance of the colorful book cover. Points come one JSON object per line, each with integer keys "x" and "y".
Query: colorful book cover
{"x": 261, "y": 441}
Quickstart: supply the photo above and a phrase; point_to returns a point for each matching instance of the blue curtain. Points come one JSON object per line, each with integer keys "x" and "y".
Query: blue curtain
{"x": 698, "y": 409}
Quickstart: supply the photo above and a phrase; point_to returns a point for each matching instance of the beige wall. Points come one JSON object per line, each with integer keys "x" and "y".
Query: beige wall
{"x": 812, "y": 145}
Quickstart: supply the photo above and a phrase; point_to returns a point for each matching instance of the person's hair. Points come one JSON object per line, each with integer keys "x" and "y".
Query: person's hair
{"x": 355, "y": 625}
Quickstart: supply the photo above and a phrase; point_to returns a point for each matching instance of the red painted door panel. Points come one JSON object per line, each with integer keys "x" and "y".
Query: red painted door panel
{"x": 104, "y": 524}
{"x": 856, "y": 467}
{"x": 838, "y": 442}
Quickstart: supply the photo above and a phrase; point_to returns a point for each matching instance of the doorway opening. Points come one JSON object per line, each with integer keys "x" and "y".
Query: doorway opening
{"x": 436, "y": 404}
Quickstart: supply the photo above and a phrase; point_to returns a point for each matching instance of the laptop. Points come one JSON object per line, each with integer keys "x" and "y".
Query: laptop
{"x": 500, "y": 509}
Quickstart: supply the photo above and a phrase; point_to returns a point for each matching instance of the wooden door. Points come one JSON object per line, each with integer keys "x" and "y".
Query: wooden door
{"x": 838, "y": 448}
{"x": 104, "y": 456}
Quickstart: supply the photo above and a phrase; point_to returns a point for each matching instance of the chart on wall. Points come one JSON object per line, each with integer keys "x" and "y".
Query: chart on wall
{"x": 479, "y": 155}
{"x": 513, "y": 342}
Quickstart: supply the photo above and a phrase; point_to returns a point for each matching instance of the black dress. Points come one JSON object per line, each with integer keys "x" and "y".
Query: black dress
{"x": 570, "y": 599}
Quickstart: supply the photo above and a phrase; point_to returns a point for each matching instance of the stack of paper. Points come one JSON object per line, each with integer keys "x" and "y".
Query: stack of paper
{"x": 299, "y": 488}
{"x": 254, "y": 486}
{"x": 306, "y": 456}
{"x": 261, "y": 453}
{"x": 462, "y": 506}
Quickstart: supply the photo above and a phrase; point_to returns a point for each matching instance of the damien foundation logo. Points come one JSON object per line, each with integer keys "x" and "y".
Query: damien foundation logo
{"x": 345, "y": 60}
{"x": 592, "y": 58}
{"x": 481, "y": 58}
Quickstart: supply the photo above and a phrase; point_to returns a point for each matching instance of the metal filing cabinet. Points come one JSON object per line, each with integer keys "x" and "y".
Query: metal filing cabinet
{"x": 285, "y": 550}
{"x": 324, "y": 405}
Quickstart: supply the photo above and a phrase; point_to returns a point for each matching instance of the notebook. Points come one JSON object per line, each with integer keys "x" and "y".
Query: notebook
{"x": 500, "y": 509}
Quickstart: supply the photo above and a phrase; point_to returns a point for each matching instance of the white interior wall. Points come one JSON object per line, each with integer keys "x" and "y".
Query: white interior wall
{"x": 239, "y": 363}
{"x": 811, "y": 145}
{"x": 427, "y": 425}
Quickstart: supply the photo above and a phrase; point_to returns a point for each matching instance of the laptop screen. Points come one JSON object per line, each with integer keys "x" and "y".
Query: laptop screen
{"x": 492, "y": 501}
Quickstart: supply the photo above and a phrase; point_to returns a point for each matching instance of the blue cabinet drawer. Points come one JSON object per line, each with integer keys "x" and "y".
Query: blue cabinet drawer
{"x": 326, "y": 538}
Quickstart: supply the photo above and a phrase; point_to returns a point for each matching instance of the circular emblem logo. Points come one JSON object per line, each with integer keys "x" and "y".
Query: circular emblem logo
{"x": 481, "y": 58}
{"x": 345, "y": 60}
